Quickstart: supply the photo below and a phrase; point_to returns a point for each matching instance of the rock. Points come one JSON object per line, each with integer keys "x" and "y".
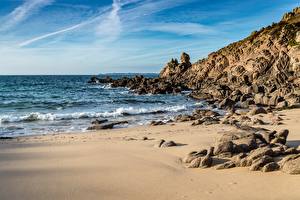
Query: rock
{"x": 244, "y": 145}
{"x": 194, "y": 154}
{"x": 168, "y": 144}
{"x": 260, "y": 162}
{"x": 206, "y": 121}
{"x": 287, "y": 158}
{"x": 256, "y": 121}
{"x": 223, "y": 147}
{"x": 210, "y": 151}
{"x": 157, "y": 123}
{"x": 269, "y": 136}
{"x": 145, "y": 138}
{"x": 278, "y": 150}
{"x": 292, "y": 165}
{"x": 99, "y": 121}
{"x": 291, "y": 150}
{"x": 283, "y": 133}
{"x": 206, "y": 162}
{"x": 237, "y": 159}
{"x": 270, "y": 167}
{"x": 227, "y": 103}
{"x": 244, "y": 162}
{"x": 258, "y": 153}
{"x": 282, "y": 105}
{"x": 226, "y": 165}
{"x": 278, "y": 140}
{"x": 107, "y": 125}
{"x": 195, "y": 163}
{"x": 184, "y": 118}
{"x": 159, "y": 143}
{"x": 258, "y": 110}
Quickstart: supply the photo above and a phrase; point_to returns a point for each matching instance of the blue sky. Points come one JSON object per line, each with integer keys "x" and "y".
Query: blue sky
{"x": 100, "y": 36}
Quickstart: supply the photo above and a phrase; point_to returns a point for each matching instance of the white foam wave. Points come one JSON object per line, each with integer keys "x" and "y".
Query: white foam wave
{"x": 82, "y": 115}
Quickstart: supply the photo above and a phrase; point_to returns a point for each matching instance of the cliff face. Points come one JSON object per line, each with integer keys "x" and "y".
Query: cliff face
{"x": 268, "y": 62}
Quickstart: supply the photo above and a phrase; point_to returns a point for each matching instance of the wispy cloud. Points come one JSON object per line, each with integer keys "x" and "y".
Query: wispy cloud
{"x": 111, "y": 25}
{"x": 111, "y": 19}
{"x": 179, "y": 28}
{"x": 22, "y": 12}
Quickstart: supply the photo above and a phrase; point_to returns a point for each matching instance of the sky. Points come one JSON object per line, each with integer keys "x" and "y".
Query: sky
{"x": 105, "y": 36}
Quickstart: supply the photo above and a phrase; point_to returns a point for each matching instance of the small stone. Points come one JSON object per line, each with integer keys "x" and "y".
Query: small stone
{"x": 159, "y": 143}
{"x": 168, "y": 144}
{"x": 145, "y": 138}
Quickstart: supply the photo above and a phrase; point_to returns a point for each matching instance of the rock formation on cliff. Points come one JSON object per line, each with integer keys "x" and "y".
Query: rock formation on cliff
{"x": 263, "y": 68}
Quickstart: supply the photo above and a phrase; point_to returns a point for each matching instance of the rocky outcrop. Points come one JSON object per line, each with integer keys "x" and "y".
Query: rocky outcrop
{"x": 142, "y": 85}
{"x": 263, "y": 69}
{"x": 243, "y": 149}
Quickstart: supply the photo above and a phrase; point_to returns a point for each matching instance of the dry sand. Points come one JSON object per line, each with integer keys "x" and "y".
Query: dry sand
{"x": 118, "y": 164}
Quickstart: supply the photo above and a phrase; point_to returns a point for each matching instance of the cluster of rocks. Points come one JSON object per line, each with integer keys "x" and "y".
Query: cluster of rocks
{"x": 261, "y": 151}
{"x": 142, "y": 85}
{"x": 200, "y": 116}
{"x": 101, "y": 124}
{"x": 263, "y": 69}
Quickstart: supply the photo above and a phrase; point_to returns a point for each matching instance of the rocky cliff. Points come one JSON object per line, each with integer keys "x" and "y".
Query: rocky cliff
{"x": 265, "y": 66}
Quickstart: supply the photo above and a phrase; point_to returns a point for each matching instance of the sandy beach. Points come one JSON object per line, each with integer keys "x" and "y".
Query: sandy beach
{"x": 119, "y": 164}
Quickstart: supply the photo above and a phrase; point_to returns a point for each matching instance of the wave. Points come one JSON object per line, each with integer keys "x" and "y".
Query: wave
{"x": 31, "y": 117}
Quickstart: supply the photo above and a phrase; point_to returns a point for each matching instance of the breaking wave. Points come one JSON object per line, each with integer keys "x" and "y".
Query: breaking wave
{"x": 36, "y": 116}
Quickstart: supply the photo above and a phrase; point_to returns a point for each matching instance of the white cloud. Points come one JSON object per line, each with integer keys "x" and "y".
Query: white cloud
{"x": 22, "y": 12}
{"x": 111, "y": 25}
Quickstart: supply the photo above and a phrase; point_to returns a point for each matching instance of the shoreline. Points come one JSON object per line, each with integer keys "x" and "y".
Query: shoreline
{"x": 119, "y": 164}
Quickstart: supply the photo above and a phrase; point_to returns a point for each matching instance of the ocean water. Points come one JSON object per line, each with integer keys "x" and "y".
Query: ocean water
{"x": 32, "y": 105}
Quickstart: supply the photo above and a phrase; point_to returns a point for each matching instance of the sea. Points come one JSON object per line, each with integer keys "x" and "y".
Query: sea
{"x": 34, "y": 105}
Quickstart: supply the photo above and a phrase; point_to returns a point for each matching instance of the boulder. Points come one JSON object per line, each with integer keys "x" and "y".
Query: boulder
{"x": 223, "y": 147}
{"x": 283, "y": 133}
{"x": 257, "y": 110}
{"x": 292, "y": 165}
{"x": 260, "y": 162}
{"x": 194, "y": 154}
{"x": 258, "y": 153}
{"x": 227, "y": 103}
{"x": 244, "y": 145}
{"x": 270, "y": 167}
